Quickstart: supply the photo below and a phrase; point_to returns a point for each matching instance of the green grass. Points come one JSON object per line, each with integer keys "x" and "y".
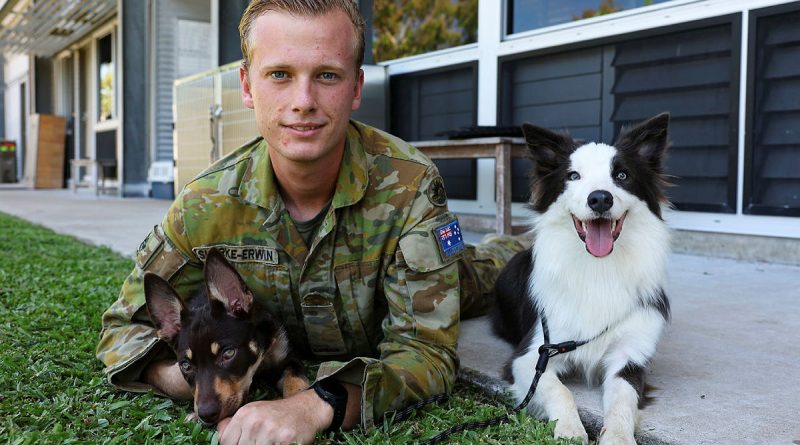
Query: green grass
{"x": 53, "y": 290}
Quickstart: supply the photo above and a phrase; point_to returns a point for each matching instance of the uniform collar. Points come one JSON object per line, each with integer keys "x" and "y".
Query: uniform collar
{"x": 259, "y": 186}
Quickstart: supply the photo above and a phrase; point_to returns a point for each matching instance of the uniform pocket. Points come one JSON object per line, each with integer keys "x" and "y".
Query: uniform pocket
{"x": 322, "y": 326}
{"x": 363, "y": 308}
{"x": 271, "y": 286}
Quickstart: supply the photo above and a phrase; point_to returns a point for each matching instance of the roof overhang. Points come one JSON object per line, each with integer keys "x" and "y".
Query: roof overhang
{"x": 44, "y": 27}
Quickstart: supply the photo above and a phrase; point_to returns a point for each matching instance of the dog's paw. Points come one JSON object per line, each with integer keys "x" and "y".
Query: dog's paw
{"x": 571, "y": 428}
{"x": 612, "y": 436}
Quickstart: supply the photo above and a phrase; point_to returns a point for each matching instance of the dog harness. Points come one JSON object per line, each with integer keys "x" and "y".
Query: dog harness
{"x": 546, "y": 351}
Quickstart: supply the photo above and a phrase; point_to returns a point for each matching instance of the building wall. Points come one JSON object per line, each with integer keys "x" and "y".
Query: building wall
{"x": 611, "y": 70}
{"x": 166, "y": 19}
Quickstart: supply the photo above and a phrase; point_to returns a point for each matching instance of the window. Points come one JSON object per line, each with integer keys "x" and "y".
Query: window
{"x": 426, "y": 104}
{"x": 525, "y": 15}
{"x": 106, "y": 82}
{"x": 772, "y": 158}
{"x": 593, "y": 92}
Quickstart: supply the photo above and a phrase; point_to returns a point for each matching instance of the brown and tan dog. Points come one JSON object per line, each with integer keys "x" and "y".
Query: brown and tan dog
{"x": 222, "y": 339}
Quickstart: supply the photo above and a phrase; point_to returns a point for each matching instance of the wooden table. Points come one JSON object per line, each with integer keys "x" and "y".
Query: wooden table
{"x": 502, "y": 149}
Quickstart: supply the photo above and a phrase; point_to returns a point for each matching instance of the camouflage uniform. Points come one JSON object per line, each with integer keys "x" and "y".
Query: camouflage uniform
{"x": 376, "y": 289}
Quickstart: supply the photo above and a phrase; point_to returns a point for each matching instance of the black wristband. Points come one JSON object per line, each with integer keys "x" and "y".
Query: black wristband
{"x": 335, "y": 395}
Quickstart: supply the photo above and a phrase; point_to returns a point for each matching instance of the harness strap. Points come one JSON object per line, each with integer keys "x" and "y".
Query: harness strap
{"x": 546, "y": 350}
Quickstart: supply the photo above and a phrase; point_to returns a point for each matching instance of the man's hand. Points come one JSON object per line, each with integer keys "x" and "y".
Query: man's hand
{"x": 166, "y": 376}
{"x": 297, "y": 419}
{"x": 293, "y": 420}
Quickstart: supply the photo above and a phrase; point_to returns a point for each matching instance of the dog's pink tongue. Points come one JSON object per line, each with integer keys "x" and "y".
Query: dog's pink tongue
{"x": 599, "y": 240}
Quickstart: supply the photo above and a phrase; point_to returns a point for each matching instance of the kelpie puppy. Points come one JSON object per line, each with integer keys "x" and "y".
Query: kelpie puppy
{"x": 222, "y": 339}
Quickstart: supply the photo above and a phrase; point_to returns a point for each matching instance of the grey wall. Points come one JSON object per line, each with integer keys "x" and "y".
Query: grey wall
{"x": 230, "y": 12}
{"x": 134, "y": 61}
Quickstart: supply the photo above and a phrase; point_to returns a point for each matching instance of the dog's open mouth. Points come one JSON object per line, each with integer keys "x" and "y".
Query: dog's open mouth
{"x": 599, "y": 234}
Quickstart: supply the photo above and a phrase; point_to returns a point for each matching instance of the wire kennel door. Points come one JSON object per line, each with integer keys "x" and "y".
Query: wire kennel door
{"x": 210, "y": 120}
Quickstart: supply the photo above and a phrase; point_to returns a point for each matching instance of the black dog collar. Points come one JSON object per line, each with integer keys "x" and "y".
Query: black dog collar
{"x": 335, "y": 395}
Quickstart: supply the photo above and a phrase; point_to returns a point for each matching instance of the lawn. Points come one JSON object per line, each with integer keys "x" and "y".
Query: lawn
{"x": 53, "y": 290}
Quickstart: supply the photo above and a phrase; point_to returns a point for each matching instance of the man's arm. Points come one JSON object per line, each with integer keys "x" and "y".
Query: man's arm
{"x": 166, "y": 377}
{"x": 418, "y": 355}
{"x": 297, "y": 419}
{"x": 128, "y": 341}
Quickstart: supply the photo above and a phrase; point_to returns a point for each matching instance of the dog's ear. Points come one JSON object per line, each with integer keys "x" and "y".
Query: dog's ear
{"x": 226, "y": 286}
{"x": 164, "y": 305}
{"x": 648, "y": 140}
{"x": 547, "y": 147}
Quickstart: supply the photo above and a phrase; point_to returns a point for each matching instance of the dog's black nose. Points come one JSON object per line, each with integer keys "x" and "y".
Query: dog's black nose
{"x": 208, "y": 413}
{"x": 600, "y": 201}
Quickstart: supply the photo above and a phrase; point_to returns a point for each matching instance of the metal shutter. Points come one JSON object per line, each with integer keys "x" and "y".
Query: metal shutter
{"x": 424, "y": 104}
{"x": 693, "y": 75}
{"x": 561, "y": 91}
{"x": 772, "y": 169}
{"x": 592, "y": 93}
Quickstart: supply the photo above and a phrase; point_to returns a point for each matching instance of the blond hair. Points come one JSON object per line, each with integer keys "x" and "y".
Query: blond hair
{"x": 302, "y": 8}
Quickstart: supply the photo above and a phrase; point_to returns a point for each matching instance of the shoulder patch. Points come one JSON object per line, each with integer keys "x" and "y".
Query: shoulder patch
{"x": 241, "y": 254}
{"x": 449, "y": 239}
{"x": 436, "y": 192}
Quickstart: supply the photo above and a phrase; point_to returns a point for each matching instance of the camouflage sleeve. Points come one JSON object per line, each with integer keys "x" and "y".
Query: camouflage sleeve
{"x": 127, "y": 339}
{"x": 418, "y": 353}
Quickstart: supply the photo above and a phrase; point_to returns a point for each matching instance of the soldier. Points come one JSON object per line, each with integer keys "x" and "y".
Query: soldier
{"x": 340, "y": 229}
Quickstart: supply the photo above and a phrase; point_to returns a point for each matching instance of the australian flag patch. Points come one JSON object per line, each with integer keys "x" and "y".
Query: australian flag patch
{"x": 449, "y": 237}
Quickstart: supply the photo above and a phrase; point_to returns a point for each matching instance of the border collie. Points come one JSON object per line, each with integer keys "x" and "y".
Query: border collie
{"x": 596, "y": 272}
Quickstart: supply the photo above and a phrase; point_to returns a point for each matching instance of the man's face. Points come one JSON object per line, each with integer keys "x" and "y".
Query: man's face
{"x": 302, "y": 83}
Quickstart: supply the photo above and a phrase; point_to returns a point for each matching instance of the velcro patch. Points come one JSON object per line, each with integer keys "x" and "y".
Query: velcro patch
{"x": 449, "y": 238}
{"x": 241, "y": 254}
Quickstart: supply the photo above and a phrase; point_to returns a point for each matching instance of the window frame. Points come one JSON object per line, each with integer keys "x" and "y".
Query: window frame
{"x": 748, "y": 183}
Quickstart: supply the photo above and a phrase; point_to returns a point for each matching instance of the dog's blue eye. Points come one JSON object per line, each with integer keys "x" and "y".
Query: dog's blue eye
{"x": 621, "y": 176}
{"x": 186, "y": 367}
{"x": 228, "y": 353}
{"x": 573, "y": 176}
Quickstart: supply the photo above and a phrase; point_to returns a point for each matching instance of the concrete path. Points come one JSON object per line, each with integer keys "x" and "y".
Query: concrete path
{"x": 104, "y": 220}
{"x": 727, "y": 371}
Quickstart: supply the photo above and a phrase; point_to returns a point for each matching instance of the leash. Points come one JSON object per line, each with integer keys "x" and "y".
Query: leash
{"x": 546, "y": 351}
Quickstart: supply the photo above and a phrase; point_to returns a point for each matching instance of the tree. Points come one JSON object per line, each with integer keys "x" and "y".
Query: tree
{"x": 605, "y": 7}
{"x": 406, "y": 27}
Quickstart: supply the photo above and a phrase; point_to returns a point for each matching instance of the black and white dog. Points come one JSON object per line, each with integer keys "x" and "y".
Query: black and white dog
{"x": 596, "y": 272}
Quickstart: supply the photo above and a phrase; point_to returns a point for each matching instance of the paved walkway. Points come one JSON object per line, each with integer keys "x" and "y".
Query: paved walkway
{"x": 727, "y": 371}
